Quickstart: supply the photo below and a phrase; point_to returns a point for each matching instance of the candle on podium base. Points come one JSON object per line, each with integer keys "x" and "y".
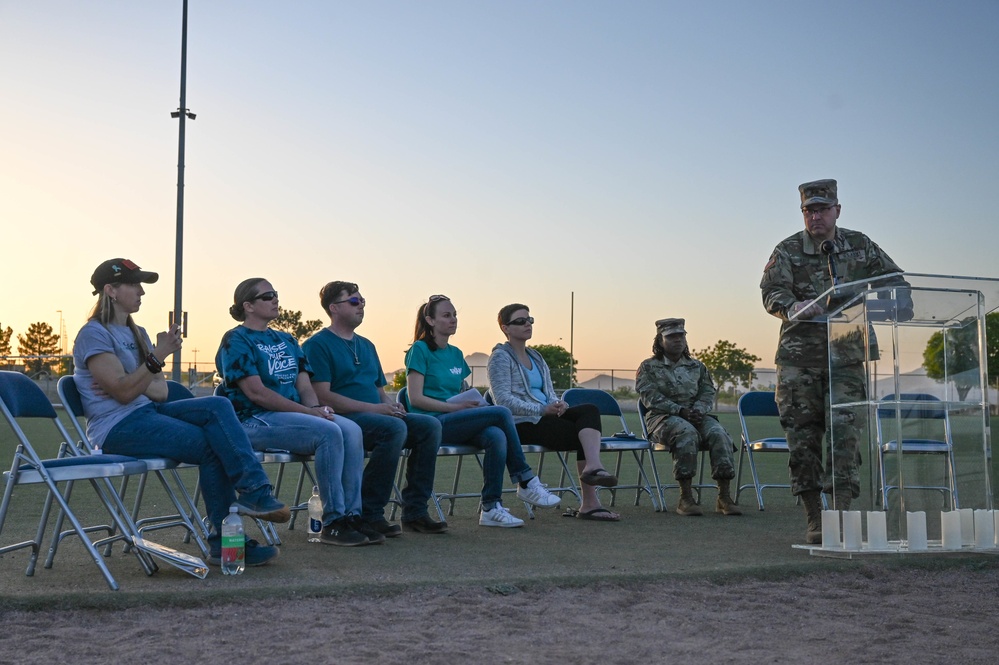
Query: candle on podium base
{"x": 852, "y": 533}
{"x": 950, "y": 530}
{"x": 985, "y": 530}
{"x": 915, "y": 524}
{"x": 967, "y": 526}
{"x": 830, "y": 530}
{"x": 877, "y": 530}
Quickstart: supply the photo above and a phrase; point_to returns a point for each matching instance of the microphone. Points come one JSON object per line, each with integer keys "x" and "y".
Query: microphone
{"x": 827, "y": 247}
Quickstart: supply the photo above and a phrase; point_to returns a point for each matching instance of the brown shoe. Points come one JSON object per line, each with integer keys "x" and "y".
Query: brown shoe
{"x": 687, "y": 506}
{"x": 724, "y": 504}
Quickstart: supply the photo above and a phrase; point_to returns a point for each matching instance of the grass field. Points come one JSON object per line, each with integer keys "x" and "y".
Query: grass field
{"x": 550, "y": 550}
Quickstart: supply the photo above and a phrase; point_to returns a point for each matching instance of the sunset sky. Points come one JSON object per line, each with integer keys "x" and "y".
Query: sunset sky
{"x": 644, "y": 156}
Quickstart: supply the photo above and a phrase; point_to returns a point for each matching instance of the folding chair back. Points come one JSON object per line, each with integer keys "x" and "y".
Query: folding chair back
{"x": 926, "y": 410}
{"x": 21, "y": 398}
{"x": 621, "y": 442}
{"x": 758, "y": 405}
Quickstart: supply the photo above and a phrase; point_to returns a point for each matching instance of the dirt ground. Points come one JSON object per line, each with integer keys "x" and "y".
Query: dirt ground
{"x": 871, "y": 615}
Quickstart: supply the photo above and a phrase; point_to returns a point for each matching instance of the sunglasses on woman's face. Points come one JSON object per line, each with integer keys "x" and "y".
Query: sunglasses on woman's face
{"x": 521, "y": 321}
{"x": 266, "y": 296}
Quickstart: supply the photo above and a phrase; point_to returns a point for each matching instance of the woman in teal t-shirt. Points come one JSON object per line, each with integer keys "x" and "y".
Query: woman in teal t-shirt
{"x": 435, "y": 375}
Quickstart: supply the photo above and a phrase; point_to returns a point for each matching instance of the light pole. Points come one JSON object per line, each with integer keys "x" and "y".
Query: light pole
{"x": 183, "y": 114}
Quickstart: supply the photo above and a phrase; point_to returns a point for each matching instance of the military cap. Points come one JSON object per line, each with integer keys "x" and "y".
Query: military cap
{"x": 670, "y": 326}
{"x": 818, "y": 192}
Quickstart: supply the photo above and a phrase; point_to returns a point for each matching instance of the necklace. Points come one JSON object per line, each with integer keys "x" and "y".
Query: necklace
{"x": 352, "y": 347}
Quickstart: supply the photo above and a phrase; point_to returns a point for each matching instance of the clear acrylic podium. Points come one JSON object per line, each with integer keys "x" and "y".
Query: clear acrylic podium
{"x": 922, "y": 434}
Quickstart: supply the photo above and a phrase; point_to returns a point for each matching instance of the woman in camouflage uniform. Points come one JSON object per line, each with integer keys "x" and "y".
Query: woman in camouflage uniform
{"x": 678, "y": 394}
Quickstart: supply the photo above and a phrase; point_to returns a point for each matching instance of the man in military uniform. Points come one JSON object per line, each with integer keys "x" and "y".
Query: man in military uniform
{"x": 678, "y": 394}
{"x": 798, "y": 271}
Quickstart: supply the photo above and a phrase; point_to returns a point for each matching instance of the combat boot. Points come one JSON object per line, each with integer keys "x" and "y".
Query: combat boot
{"x": 812, "y": 501}
{"x": 687, "y": 506}
{"x": 724, "y": 504}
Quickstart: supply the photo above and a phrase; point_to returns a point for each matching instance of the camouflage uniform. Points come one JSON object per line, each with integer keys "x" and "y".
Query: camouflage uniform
{"x": 797, "y": 272}
{"x": 666, "y": 387}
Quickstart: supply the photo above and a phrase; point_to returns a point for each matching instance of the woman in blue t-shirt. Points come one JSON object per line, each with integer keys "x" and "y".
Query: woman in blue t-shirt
{"x": 267, "y": 379}
{"x": 435, "y": 379}
{"x": 124, "y": 395}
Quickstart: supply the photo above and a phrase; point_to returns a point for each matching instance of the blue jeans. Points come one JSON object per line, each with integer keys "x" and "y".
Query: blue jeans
{"x": 202, "y": 431}
{"x": 490, "y": 428}
{"x": 384, "y": 438}
{"x": 337, "y": 448}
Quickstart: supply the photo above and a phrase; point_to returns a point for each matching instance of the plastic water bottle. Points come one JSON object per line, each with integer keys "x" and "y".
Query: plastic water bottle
{"x": 315, "y": 515}
{"x": 233, "y": 543}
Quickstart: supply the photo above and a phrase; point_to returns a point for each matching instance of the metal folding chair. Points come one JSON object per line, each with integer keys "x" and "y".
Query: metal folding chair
{"x": 164, "y": 468}
{"x": 620, "y": 443}
{"x": 758, "y": 404}
{"x": 655, "y": 447}
{"x": 916, "y": 409}
{"x": 565, "y": 474}
{"x": 21, "y": 398}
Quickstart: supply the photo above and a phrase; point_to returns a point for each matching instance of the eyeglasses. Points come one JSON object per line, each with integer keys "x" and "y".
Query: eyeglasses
{"x": 356, "y": 301}
{"x": 436, "y": 298}
{"x": 266, "y": 296}
{"x": 808, "y": 212}
{"x": 521, "y": 321}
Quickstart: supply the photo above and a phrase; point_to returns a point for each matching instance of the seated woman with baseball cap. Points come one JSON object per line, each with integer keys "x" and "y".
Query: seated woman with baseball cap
{"x": 118, "y": 374}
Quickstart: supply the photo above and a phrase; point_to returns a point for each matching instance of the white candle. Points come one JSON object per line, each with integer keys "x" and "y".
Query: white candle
{"x": 916, "y": 530}
{"x": 830, "y": 530}
{"x": 995, "y": 515}
{"x": 950, "y": 529}
{"x": 852, "y": 533}
{"x": 877, "y": 530}
{"x": 967, "y": 526}
{"x": 985, "y": 529}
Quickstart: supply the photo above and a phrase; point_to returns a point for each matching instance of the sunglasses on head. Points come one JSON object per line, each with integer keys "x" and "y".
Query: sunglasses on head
{"x": 266, "y": 296}
{"x": 521, "y": 321}
{"x": 438, "y": 297}
{"x": 353, "y": 300}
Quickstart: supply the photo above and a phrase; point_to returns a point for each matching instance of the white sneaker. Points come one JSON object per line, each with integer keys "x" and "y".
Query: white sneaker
{"x": 499, "y": 516}
{"x": 537, "y": 494}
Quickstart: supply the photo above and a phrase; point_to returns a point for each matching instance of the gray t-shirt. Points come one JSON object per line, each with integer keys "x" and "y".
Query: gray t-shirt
{"x": 104, "y": 412}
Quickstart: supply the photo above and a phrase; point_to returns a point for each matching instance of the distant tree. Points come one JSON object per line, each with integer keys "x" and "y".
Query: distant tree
{"x": 290, "y": 321}
{"x": 38, "y": 341}
{"x": 398, "y": 381}
{"x": 5, "y": 334}
{"x": 953, "y": 354}
{"x": 728, "y": 364}
{"x": 561, "y": 364}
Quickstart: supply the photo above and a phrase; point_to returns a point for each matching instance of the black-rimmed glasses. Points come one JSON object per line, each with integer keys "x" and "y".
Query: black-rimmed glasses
{"x": 356, "y": 301}
{"x": 266, "y": 296}
{"x": 521, "y": 321}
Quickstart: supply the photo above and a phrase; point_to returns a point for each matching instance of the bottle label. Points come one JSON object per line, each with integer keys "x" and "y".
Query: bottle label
{"x": 233, "y": 540}
{"x": 315, "y": 526}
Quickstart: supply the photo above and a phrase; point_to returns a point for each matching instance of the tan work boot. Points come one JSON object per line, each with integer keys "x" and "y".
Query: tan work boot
{"x": 687, "y": 506}
{"x": 724, "y": 504}
{"x": 812, "y": 501}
